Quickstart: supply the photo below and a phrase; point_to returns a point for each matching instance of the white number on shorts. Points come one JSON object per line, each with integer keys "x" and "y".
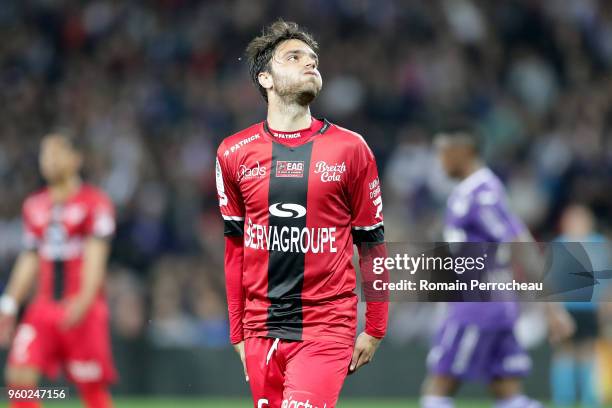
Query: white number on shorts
{"x": 26, "y": 334}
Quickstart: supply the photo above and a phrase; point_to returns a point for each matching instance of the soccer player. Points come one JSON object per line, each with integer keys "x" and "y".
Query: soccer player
{"x": 476, "y": 341}
{"x": 295, "y": 193}
{"x": 67, "y": 227}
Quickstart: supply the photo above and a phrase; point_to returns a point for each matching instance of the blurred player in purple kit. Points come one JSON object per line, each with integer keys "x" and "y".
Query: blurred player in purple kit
{"x": 476, "y": 340}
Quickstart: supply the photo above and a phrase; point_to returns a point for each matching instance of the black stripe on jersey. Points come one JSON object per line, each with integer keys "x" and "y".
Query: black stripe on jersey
{"x": 377, "y": 235}
{"x": 56, "y": 235}
{"x": 233, "y": 228}
{"x": 58, "y": 279}
{"x": 286, "y": 269}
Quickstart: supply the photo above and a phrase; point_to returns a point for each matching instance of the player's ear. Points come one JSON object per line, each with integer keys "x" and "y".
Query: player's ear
{"x": 265, "y": 80}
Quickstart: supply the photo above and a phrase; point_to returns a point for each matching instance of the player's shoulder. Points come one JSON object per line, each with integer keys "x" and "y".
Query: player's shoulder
{"x": 94, "y": 195}
{"x": 482, "y": 188}
{"x": 350, "y": 140}
{"x": 234, "y": 142}
{"x": 36, "y": 199}
{"x": 482, "y": 180}
{"x": 342, "y": 134}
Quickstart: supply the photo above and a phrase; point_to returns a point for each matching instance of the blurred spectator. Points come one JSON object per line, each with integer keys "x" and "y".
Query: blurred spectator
{"x": 573, "y": 370}
{"x": 126, "y": 298}
{"x": 187, "y": 307}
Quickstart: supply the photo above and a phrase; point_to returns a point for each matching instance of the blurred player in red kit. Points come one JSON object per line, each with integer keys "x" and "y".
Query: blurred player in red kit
{"x": 67, "y": 229}
{"x": 296, "y": 193}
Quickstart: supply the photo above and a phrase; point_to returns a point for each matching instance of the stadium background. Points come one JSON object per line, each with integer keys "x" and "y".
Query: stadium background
{"x": 152, "y": 87}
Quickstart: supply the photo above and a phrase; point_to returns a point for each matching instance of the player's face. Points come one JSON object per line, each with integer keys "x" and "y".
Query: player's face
{"x": 58, "y": 160}
{"x": 294, "y": 71}
{"x": 452, "y": 158}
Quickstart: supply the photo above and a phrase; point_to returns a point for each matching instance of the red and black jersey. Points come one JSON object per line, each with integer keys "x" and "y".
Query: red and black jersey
{"x": 57, "y": 231}
{"x": 299, "y": 203}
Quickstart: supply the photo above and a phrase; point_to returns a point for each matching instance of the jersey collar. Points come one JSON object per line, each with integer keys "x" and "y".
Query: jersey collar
{"x": 269, "y": 134}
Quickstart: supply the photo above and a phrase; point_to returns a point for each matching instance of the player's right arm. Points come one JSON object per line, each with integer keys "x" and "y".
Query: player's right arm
{"x": 232, "y": 210}
{"x": 22, "y": 279}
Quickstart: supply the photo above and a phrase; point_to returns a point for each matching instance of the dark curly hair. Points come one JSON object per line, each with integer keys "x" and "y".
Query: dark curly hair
{"x": 260, "y": 50}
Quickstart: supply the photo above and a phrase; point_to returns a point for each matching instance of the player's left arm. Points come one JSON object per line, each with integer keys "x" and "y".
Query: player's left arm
{"x": 99, "y": 230}
{"x": 377, "y": 306}
{"x": 368, "y": 234}
{"x": 22, "y": 279}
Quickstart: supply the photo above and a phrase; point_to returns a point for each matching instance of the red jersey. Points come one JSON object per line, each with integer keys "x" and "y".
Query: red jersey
{"x": 57, "y": 231}
{"x": 300, "y": 203}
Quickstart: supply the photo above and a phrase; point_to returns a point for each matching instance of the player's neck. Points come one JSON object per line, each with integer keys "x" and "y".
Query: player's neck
{"x": 471, "y": 169}
{"x": 288, "y": 117}
{"x": 62, "y": 190}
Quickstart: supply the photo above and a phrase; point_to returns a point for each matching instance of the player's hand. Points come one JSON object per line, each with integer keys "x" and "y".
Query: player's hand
{"x": 365, "y": 347}
{"x": 74, "y": 312}
{"x": 239, "y": 347}
{"x": 7, "y": 327}
{"x": 560, "y": 324}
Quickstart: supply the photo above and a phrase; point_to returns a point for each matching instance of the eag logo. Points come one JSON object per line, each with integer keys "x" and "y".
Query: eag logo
{"x": 289, "y": 168}
{"x": 291, "y": 403}
{"x": 287, "y": 210}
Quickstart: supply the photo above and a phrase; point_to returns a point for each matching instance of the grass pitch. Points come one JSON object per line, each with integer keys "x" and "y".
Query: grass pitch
{"x": 245, "y": 403}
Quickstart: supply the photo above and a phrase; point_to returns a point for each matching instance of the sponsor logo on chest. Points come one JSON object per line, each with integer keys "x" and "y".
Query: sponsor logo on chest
{"x": 329, "y": 172}
{"x": 257, "y": 171}
{"x": 74, "y": 214}
{"x": 287, "y": 210}
{"x": 289, "y": 168}
{"x": 40, "y": 218}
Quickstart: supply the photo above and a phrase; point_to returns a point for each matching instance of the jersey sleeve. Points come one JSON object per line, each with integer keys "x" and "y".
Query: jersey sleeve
{"x": 230, "y": 203}
{"x": 234, "y": 263}
{"x": 377, "y": 301}
{"x": 232, "y": 210}
{"x": 30, "y": 240}
{"x": 366, "y": 198}
{"x": 369, "y": 235}
{"x": 100, "y": 222}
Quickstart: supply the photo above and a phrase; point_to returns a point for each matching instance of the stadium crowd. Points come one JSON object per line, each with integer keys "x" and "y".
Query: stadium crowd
{"x": 152, "y": 87}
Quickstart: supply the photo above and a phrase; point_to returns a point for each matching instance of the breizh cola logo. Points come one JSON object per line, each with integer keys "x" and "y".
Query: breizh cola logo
{"x": 329, "y": 172}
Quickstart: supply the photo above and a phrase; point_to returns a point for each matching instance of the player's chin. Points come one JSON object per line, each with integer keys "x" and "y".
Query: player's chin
{"x": 316, "y": 82}
{"x": 50, "y": 176}
{"x": 308, "y": 93}
{"x": 305, "y": 97}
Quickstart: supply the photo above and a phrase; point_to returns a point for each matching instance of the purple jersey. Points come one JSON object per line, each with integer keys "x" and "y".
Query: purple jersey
{"x": 477, "y": 211}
